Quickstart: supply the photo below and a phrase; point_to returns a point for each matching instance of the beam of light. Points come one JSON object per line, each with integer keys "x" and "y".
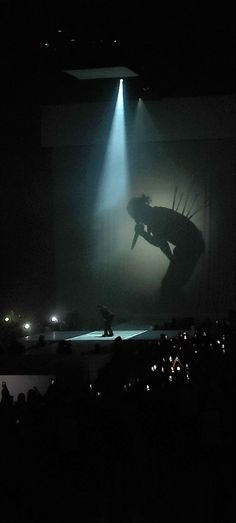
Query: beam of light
{"x": 145, "y": 127}
{"x": 113, "y": 187}
{"x": 110, "y": 215}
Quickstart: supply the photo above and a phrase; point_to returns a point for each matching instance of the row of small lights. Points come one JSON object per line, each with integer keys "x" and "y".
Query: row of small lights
{"x": 77, "y": 40}
{"x": 27, "y": 326}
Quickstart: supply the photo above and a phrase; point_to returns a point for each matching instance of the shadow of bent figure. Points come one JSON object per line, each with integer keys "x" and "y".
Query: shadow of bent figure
{"x": 160, "y": 226}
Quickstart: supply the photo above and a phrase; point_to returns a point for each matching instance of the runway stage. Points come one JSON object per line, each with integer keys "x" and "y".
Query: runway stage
{"x": 143, "y": 332}
{"x": 96, "y": 336}
{"x": 82, "y": 364}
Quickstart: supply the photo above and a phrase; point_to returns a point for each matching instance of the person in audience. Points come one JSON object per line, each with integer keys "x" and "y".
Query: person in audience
{"x": 5, "y": 400}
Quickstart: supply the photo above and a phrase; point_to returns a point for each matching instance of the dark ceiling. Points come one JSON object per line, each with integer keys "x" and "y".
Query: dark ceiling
{"x": 175, "y": 51}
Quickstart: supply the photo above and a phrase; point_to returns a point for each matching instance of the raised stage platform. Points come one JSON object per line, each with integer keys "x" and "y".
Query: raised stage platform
{"x": 37, "y": 365}
{"x": 144, "y": 332}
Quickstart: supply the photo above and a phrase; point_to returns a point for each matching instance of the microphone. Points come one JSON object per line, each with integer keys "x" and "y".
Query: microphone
{"x": 136, "y": 235}
{"x": 139, "y": 228}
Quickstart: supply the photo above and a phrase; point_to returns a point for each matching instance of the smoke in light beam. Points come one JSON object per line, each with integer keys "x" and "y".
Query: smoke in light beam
{"x": 113, "y": 186}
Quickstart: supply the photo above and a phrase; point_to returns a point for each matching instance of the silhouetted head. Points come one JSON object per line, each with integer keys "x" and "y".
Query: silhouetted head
{"x": 21, "y": 397}
{"x": 101, "y": 307}
{"x": 137, "y": 207}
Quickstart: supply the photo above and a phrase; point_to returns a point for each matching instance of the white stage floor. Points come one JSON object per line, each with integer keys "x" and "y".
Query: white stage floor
{"x": 97, "y": 335}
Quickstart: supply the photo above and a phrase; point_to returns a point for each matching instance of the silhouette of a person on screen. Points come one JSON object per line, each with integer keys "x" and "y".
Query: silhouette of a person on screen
{"x": 161, "y": 227}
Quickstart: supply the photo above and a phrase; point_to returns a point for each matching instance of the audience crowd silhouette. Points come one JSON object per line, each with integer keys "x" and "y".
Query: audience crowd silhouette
{"x": 150, "y": 440}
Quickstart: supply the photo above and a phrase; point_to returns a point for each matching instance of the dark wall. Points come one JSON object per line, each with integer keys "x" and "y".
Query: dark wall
{"x": 27, "y": 237}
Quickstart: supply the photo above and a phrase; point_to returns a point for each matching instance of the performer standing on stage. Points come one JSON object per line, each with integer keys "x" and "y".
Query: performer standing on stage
{"x": 107, "y": 317}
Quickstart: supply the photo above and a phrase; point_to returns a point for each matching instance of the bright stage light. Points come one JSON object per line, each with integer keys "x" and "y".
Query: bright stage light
{"x": 102, "y": 72}
{"x": 6, "y": 319}
{"x": 27, "y": 326}
{"x": 54, "y": 319}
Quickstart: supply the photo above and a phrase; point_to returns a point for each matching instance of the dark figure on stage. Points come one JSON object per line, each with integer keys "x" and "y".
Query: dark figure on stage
{"x": 107, "y": 318}
{"x": 160, "y": 227}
